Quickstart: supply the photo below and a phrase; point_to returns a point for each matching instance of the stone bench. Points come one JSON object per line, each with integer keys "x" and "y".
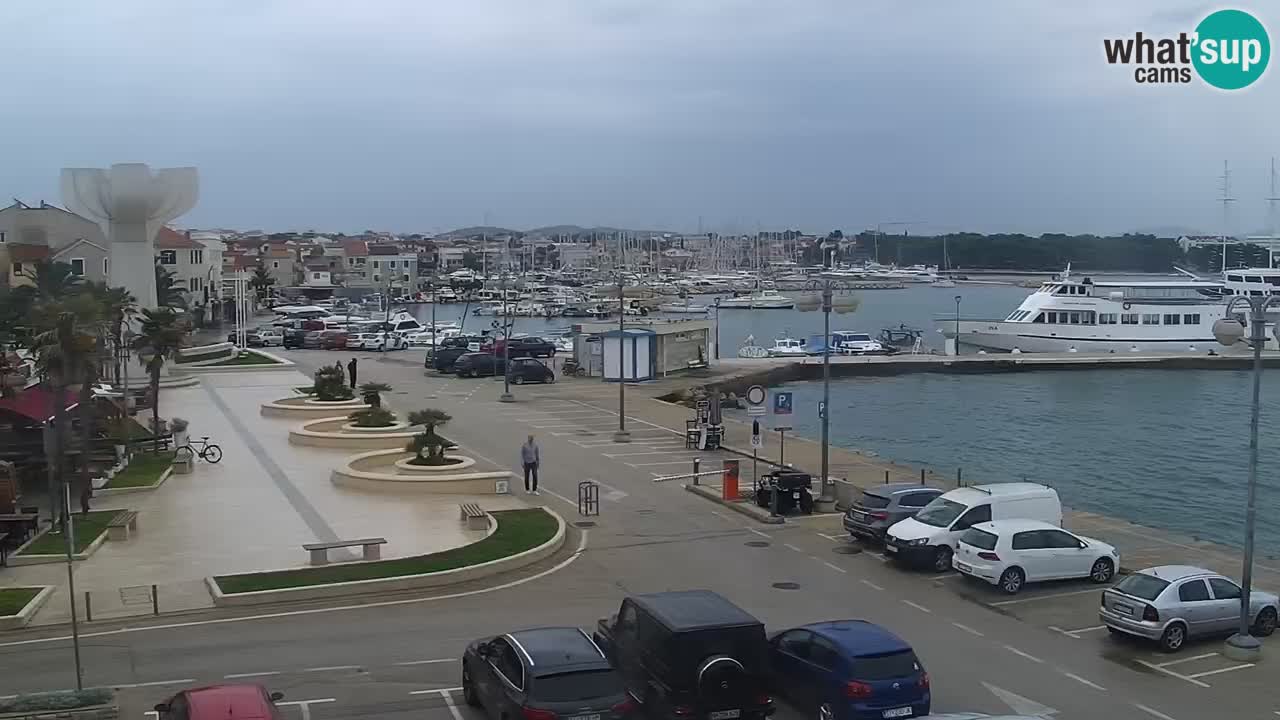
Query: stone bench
{"x": 124, "y": 523}
{"x": 370, "y": 547}
{"x": 473, "y": 516}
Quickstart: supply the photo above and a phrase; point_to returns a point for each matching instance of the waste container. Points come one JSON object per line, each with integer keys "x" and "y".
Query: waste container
{"x": 792, "y": 487}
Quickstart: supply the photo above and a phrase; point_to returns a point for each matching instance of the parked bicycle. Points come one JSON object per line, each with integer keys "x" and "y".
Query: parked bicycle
{"x": 202, "y": 448}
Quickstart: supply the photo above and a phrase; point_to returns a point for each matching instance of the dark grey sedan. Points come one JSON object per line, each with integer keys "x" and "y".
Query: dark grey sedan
{"x": 883, "y": 505}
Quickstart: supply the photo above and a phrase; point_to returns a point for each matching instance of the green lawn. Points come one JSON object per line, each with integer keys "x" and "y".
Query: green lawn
{"x": 184, "y": 359}
{"x": 518, "y": 530}
{"x": 248, "y": 358}
{"x": 144, "y": 469}
{"x": 87, "y": 529}
{"x": 13, "y": 600}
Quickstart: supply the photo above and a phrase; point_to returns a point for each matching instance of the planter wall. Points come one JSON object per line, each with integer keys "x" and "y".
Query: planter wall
{"x": 377, "y": 471}
{"x": 331, "y": 432}
{"x": 304, "y": 407}
{"x": 23, "y": 617}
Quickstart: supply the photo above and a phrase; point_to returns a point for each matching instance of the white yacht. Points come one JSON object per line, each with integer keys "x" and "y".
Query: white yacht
{"x": 788, "y": 347}
{"x": 759, "y": 300}
{"x": 684, "y": 307}
{"x": 1070, "y": 315}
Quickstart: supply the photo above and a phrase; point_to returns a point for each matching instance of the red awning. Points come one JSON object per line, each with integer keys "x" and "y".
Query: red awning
{"x": 35, "y": 403}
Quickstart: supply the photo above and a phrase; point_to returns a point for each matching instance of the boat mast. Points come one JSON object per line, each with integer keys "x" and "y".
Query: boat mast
{"x": 1271, "y": 217}
{"x": 1226, "y": 209}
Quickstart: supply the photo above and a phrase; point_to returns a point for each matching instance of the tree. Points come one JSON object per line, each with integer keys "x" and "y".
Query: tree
{"x": 63, "y": 352}
{"x": 118, "y": 307}
{"x": 261, "y": 281}
{"x": 159, "y": 338}
{"x": 427, "y": 440}
{"x": 471, "y": 261}
{"x": 372, "y": 392}
{"x": 168, "y": 294}
{"x": 51, "y": 280}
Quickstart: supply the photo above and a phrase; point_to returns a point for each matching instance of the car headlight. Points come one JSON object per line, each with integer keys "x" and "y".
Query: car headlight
{"x": 919, "y": 541}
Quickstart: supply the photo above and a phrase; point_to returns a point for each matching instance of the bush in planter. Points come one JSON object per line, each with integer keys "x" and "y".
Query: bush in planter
{"x": 178, "y": 425}
{"x": 428, "y": 441}
{"x": 372, "y": 392}
{"x": 59, "y": 700}
{"x": 331, "y": 384}
{"x": 373, "y": 417}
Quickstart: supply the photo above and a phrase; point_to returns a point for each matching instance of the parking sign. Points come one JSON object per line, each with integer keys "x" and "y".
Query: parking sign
{"x": 782, "y": 403}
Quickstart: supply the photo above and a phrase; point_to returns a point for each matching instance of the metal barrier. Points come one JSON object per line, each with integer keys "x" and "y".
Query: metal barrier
{"x": 588, "y": 498}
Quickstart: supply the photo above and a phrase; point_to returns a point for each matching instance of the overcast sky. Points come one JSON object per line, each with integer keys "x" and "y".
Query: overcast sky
{"x": 424, "y": 115}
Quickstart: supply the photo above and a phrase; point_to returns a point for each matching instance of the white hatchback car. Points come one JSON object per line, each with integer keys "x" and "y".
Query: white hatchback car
{"x": 1011, "y": 553}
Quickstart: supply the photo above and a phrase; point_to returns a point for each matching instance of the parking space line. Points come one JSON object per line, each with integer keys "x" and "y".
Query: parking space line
{"x": 833, "y": 538}
{"x": 654, "y": 464}
{"x": 917, "y": 606}
{"x": 649, "y": 452}
{"x": 835, "y": 567}
{"x": 153, "y": 683}
{"x": 870, "y": 584}
{"x": 1171, "y": 673}
{"x": 946, "y": 576}
{"x": 1076, "y": 633}
{"x": 1193, "y": 658}
{"x": 1019, "y": 653}
{"x": 1082, "y": 681}
{"x": 305, "y": 705}
{"x": 448, "y": 701}
{"x": 1219, "y": 671}
{"x": 330, "y": 668}
{"x": 757, "y": 532}
{"x": 968, "y": 629}
{"x": 427, "y": 662}
{"x": 1155, "y": 713}
{"x": 879, "y": 556}
{"x": 1045, "y": 597}
{"x": 233, "y": 676}
{"x": 789, "y": 546}
{"x": 436, "y": 691}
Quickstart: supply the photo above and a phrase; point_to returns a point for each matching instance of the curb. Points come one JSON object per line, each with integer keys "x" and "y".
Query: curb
{"x": 23, "y": 617}
{"x": 16, "y": 560}
{"x": 109, "y": 491}
{"x": 393, "y": 584}
{"x": 751, "y": 511}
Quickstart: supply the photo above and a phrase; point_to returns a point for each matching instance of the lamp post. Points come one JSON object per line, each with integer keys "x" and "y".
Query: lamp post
{"x": 1228, "y": 331}
{"x": 506, "y": 335}
{"x": 717, "y": 327}
{"x": 621, "y": 435}
{"x": 957, "y": 341}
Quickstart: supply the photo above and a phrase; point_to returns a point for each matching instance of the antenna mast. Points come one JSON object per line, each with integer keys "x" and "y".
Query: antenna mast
{"x": 1272, "y": 198}
{"x": 1226, "y": 209}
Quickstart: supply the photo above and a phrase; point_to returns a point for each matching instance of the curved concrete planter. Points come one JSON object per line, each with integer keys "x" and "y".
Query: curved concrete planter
{"x": 15, "y": 559}
{"x": 212, "y": 366}
{"x": 379, "y": 471}
{"x": 405, "y": 466}
{"x": 23, "y": 616}
{"x": 304, "y": 407}
{"x": 333, "y": 432}
{"x": 109, "y": 491}
{"x": 394, "y": 427}
{"x": 395, "y": 584}
{"x": 205, "y": 353}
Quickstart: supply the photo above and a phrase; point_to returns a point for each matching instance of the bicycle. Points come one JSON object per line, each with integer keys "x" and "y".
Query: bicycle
{"x": 207, "y": 451}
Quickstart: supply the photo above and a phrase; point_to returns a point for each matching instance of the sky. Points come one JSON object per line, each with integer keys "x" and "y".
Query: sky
{"x": 426, "y": 115}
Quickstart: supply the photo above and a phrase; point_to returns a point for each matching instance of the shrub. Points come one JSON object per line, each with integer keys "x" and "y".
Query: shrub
{"x": 178, "y": 425}
{"x": 58, "y": 700}
{"x": 331, "y": 383}
{"x": 373, "y": 417}
{"x": 428, "y": 441}
{"x": 372, "y": 392}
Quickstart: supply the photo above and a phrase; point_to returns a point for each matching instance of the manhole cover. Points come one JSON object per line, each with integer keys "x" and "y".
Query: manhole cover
{"x": 786, "y": 586}
{"x": 756, "y": 543}
{"x": 584, "y": 524}
{"x": 847, "y": 549}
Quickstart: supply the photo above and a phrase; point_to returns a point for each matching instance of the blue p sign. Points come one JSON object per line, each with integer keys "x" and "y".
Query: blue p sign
{"x": 782, "y": 403}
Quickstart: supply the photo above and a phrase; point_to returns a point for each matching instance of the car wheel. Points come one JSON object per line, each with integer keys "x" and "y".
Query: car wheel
{"x": 1103, "y": 570}
{"x": 1174, "y": 637}
{"x": 1116, "y": 633}
{"x": 517, "y": 380}
{"x": 550, "y": 378}
{"x": 469, "y": 695}
{"x": 1265, "y": 624}
{"x": 825, "y": 712}
{"x": 1011, "y": 580}
{"x": 942, "y": 559}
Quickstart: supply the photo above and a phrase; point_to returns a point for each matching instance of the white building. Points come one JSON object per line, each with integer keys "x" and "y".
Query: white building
{"x": 196, "y": 267}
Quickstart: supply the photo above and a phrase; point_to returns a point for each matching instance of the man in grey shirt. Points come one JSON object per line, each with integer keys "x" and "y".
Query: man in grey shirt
{"x": 530, "y": 458}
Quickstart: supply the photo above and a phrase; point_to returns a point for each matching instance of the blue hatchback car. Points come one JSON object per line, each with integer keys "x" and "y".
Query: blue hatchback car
{"x": 849, "y": 670}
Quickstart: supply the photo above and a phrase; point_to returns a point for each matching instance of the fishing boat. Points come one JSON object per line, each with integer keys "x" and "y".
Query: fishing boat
{"x": 788, "y": 347}
{"x": 901, "y": 336}
{"x": 759, "y": 300}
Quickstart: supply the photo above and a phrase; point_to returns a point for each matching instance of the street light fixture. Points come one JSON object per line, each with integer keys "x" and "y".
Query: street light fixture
{"x": 621, "y": 435}
{"x": 1228, "y": 331}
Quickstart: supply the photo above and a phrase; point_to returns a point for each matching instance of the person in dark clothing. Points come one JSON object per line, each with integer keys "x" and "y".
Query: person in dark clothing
{"x": 530, "y": 458}
{"x": 351, "y": 370}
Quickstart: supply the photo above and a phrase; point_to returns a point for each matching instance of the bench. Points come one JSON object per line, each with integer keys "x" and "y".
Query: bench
{"x": 4, "y": 549}
{"x": 125, "y": 522}
{"x": 371, "y": 549}
{"x": 473, "y": 516}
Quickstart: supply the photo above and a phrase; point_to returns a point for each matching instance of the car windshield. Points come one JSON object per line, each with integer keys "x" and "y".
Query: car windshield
{"x": 886, "y": 667}
{"x": 941, "y": 512}
{"x": 875, "y": 502}
{"x": 979, "y": 539}
{"x": 571, "y": 686}
{"x": 1142, "y": 585}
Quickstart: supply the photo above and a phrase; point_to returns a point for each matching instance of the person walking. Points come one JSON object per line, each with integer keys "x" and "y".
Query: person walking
{"x": 351, "y": 370}
{"x": 530, "y": 458}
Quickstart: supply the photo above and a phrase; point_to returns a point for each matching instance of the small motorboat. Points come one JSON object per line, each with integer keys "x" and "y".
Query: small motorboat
{"x": 788, "y": 347}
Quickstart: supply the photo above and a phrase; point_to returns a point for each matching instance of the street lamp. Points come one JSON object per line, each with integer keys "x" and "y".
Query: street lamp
{"x": 1228, "y": 331}
{"x": 506, "y": 335}
{"x": 621, "y": 435}
{"x": 827, "y": 302}
{"x": 717, "y": 327}
{"x": 957, "y": 325}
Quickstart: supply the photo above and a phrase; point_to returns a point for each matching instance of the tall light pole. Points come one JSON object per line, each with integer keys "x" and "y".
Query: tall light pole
{"x": 71, "y": 577}
{"x": 506, "y": 332}
{"x": 1228, "y": 331}
{"x": 621, "y": 435}
{"x": 957, "y": 341}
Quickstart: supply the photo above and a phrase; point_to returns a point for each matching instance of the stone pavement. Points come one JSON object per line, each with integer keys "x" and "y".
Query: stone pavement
{"x": 252, "y": 511}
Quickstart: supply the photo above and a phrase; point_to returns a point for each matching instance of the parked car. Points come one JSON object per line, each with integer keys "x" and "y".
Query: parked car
{"x": 478, "y": 364}
{"x": 883, "y": 505}
{"x": 443, "y": 358}
{"x": 1011, "y": 553}
{"x": 293, "y": 338}
{"x": 333, "y": 339}
{"x": 543, "y": 674}
{"x": 689, "y": 654}
{"x": 222, "y": 702}
{"x": 1171, "y": 603}
{"x": 848, "y": 670}
{"x": 522, "y": 347}
{"x": 313, "y": 338}
{"x": 356, "y": 341}
{"x": 523, "y": 370}
{"x": 384, "y": 341}
{"x": 929, "y": 537}
{"x": 266, "y": 336}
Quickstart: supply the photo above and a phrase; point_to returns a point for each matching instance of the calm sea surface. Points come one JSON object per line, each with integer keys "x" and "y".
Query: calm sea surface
{"x": 1161, "y": 447}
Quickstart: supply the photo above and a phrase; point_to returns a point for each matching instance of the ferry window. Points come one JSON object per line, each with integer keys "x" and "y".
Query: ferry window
{"x": 1075, "y": 318}
{"x": 1106, "y": 318}
{"x": 1172, "y": 319}
{"x": 1255, "y": 292}
{"x": 1273, "y": 279}
{"x": 1129, "y": 319}
{"x": 1235, "y": 278}
{"x": 1064, "y": 289}
{"x": 1253, "y": 278}
{"x": 1150, "y": 319}
{"x": 1191, "y": 319}
{"x": 1039, "y": 318}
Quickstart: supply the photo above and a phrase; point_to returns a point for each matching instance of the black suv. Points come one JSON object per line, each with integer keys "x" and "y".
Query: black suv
{"x": 542, "y": 674}
{"x": 689, "y": 655}
{"x": 450, "y": 350}
{"x": 293, "y": 337}
{"x": 478, "y": 364}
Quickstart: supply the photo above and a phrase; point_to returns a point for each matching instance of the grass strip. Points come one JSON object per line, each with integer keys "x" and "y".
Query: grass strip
{"x": 144, "y": 470}
{"x": 87, "y": 529}
{"x": 248, "y": 358}
{"x": 12, "y": 600}
{"x": 518, "y": 530}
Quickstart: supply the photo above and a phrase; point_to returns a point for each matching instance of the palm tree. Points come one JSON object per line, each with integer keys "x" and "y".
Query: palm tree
{"x": 159, "y": 337}
{"x": 52, "y": 280}
{"x": 261, "y": 281}
{"x": 62, "y": 354}
{"x": 118, "y": 307}
{"x": 428, "y": 440}
{"x": 168, "y": 294}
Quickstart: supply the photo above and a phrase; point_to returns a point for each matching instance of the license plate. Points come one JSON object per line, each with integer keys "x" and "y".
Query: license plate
{"x": 963, "y": 568}
{"x": 724, "y": 714}
{"x": 897, "y": 712}
{"x": 592, "y": 716}
{"x": 1123, "y": 609}
{"x": 890, "y": 548}
{"x": 795, "y": 496}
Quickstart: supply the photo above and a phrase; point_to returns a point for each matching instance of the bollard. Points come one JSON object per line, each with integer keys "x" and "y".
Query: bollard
{"x": 886, "y": 477}
{"x": 959, "y": 476}
{"x": 88, "y": 607}
{"x": 696, "y": 463}
{"x": 155, "y": 601}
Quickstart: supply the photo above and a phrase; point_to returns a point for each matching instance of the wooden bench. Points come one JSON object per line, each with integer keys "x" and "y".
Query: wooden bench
{"x": 370, "y": 547}
{"x": 125, "y": 522}
{"x": 473, "y": 516}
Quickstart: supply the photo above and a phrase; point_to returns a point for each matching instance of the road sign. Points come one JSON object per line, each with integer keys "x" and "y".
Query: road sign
{"x": 756, "y": 440}
{"x": 783, "y": 428}
{"x": 782, "y": 403}
{"x": 755, "y": 411}
{"x": 704, "y": 404}
{"x": 822, "y": 409}
{"x": 755, "y": 395}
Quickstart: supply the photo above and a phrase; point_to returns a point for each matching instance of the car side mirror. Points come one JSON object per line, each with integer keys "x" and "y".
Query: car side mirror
{"x": 485, "y": 651}
{"x": 1083, "y": 544}
{"x": 161, "y": 707}
{"x": 276, "y": 696}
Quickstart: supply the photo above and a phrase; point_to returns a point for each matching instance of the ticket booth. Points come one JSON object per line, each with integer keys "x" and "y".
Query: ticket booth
{"x": 628, "y": 354}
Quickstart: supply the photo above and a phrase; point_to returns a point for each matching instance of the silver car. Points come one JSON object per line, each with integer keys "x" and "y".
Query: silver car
{"x": 1171, "y": 603}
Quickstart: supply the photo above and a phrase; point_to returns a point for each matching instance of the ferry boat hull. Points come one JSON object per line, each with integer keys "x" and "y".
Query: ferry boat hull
{"x": 1001, "y": 336}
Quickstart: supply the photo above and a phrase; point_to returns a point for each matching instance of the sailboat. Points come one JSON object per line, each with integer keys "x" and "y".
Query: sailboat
{"x": 945, "y": 281}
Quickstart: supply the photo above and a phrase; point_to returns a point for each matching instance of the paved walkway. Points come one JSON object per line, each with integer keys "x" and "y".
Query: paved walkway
{"x": 252, "y": 511}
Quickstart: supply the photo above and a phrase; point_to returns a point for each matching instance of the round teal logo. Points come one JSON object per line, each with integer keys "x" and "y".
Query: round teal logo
{"x": 1231, "y": 49}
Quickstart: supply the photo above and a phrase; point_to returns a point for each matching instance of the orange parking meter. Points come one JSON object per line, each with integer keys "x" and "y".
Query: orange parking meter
{"x": 730, "y": 486}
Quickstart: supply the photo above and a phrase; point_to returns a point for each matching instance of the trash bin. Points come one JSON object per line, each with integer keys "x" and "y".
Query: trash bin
{"x": 182, "y": 464}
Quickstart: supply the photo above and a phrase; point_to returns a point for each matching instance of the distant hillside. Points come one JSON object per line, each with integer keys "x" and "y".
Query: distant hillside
{"x": 479, "y": 230}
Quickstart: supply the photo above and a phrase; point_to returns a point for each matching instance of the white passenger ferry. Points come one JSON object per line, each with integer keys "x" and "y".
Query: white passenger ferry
{"x": 1084, "y": 315}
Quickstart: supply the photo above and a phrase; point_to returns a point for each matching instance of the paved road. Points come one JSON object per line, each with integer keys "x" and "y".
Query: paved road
{"x": 366, "y": 660}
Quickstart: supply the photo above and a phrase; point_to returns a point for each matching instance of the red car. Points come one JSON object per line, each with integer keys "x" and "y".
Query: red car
{"x": 222, "y": 702}
{"x": 333, "y": 339}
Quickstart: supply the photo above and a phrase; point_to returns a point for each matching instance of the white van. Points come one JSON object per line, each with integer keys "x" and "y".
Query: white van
{"x": 929, "y": 538}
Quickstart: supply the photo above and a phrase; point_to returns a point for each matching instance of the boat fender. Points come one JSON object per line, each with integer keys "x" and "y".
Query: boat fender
{"x": 1128, "y": 305}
